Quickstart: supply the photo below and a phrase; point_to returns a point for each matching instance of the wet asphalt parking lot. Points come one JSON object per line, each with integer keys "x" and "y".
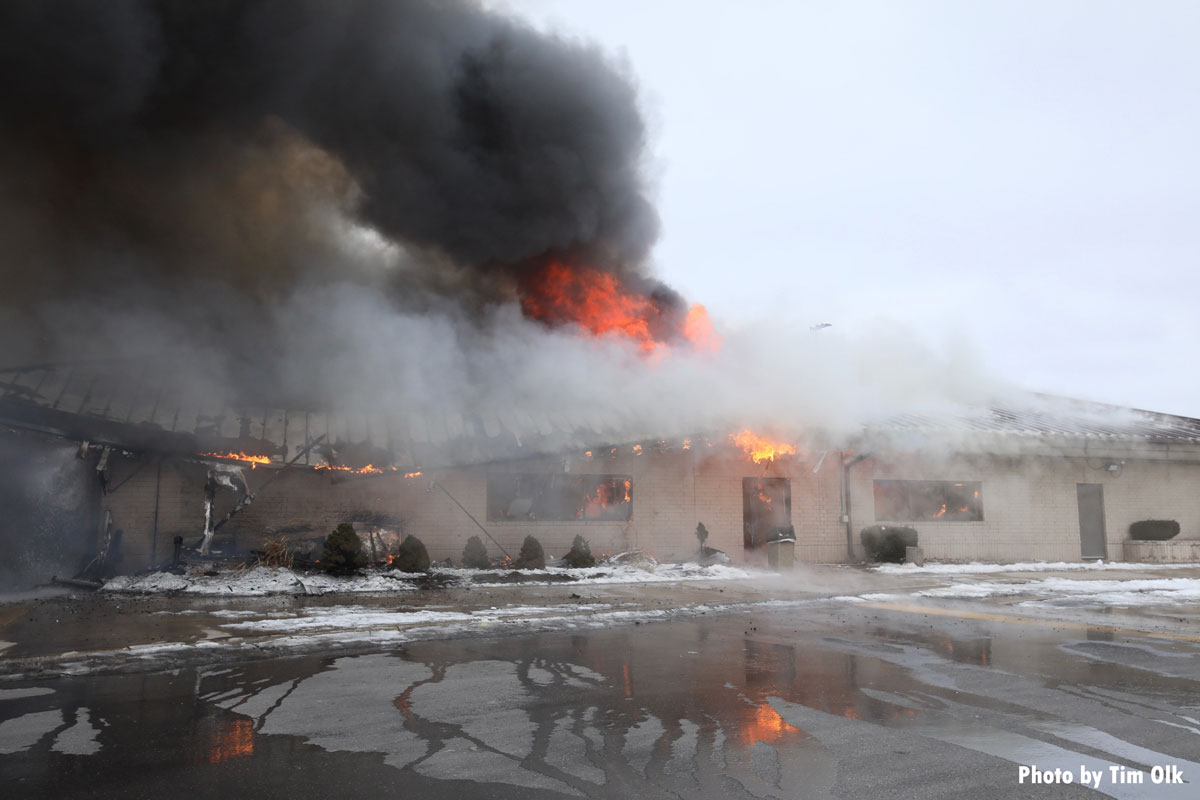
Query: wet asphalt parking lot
{"x": 832, "y": 699}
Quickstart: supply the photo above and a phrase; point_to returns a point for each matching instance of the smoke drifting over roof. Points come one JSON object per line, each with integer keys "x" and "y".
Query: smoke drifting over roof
{"x": 320, "y": 203}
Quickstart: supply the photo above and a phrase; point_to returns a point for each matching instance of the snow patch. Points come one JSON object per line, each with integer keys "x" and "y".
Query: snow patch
{"x": 1066, "y": 591}
{"x": 976, "y": 567}
{"x": 261, "y": 581}
{"x": 622, "y": 573}
{"x": 258, "y": 581}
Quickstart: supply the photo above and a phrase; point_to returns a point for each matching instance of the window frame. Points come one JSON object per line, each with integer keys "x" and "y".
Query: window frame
{"x": 549, "y": 493}
{"x": 959, "y": 501}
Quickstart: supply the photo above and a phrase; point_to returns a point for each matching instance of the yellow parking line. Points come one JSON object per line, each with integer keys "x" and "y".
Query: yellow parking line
{"x": 1010, "y": 618}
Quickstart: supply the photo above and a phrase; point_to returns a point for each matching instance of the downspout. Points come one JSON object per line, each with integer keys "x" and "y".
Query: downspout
{"x": 845, "y": 475}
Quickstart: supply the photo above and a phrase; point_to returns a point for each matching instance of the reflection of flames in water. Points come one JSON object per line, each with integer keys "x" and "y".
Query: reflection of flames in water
{"x": 602, "y": 304}
{"x": 760, "y": 448}
{"x": 765, "y": 725}
{"x": 232, "y": 740}
{"x": 403, "y": 703}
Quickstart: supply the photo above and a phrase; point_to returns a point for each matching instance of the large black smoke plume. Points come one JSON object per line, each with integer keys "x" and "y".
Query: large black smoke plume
{"x": 322, "y": 202}
{"x": 156, "y": 143}
{"x": 171, "y": 130}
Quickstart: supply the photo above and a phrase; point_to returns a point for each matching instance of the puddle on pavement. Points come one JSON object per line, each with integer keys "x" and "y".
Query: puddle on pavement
{"x": 740, "y": 705}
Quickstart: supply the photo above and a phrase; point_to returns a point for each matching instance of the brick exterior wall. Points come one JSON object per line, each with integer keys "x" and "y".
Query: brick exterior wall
{"x": 672, "y": 492}
{"x": 1030, "y": 507}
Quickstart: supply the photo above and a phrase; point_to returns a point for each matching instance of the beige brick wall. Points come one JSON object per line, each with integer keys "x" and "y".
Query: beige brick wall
{"x": 1030, "y": 507}
{"x": 672, "y": 491}
{"x": 1029, "y": 504}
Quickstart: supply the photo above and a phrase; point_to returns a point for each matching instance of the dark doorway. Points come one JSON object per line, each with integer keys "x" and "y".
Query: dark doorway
{"x": 766, "y": 509}
{"x": 1091, "y": 520}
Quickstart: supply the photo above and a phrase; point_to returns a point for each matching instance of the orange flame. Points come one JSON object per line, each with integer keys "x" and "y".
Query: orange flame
{"x": 602, "y": 304}
{"x": 698, "y": 329}
{"x": 606, "y": 495}
{"x": 759, "y": 448}
{"x": 369, "y": 469}
{"x": 253, "y": 461}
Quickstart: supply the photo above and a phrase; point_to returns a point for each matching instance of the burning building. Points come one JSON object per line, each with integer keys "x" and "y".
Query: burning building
{"x": 996, "y": 484}
{"x": 270, "y": 267}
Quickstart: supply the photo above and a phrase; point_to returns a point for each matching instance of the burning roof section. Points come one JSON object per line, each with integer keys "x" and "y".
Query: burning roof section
{"x": 127, "y": 404}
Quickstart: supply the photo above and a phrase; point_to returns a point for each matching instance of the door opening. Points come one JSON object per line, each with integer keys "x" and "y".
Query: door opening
{"x": 1091, "y": 520}
{"x": 766, "y": 510}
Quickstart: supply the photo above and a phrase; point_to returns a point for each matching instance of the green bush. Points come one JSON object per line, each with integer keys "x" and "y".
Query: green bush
{"x": 342, "y": 552}
{"x": 531, "y": 556}
{"x": 412, "y": 556}
{"x": 887, "y": 542}
{"x": 475, "y": 554}
{"x": 1154, "y": 530}
{"x": 580, "y": 554}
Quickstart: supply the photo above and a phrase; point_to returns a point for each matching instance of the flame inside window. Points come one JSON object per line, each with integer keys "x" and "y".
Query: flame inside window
{"x": 559, "y": 497}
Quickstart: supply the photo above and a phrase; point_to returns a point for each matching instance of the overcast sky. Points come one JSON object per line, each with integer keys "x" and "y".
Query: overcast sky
{"x": 1017, "y": 178}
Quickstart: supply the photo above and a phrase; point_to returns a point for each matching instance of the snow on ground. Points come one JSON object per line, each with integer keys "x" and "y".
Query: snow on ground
{"x": 975, "y": 567}
{"x": 620, "y": 573}
{"x": 276, "y": 580}
{"x": 874, "y": 597}
{"x": 1068, "y": 592}
{"x": 342, "y": 617}
{"x": 354, "y": 625}
{"x": 259, "y": 581}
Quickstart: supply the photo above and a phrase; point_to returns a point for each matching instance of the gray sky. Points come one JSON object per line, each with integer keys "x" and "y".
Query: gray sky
{"x": 1019, "y": 180}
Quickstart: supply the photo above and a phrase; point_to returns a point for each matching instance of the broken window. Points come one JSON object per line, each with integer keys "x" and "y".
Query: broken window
{"x": 922, "y": 501}
{"x": 559, "y": 497}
